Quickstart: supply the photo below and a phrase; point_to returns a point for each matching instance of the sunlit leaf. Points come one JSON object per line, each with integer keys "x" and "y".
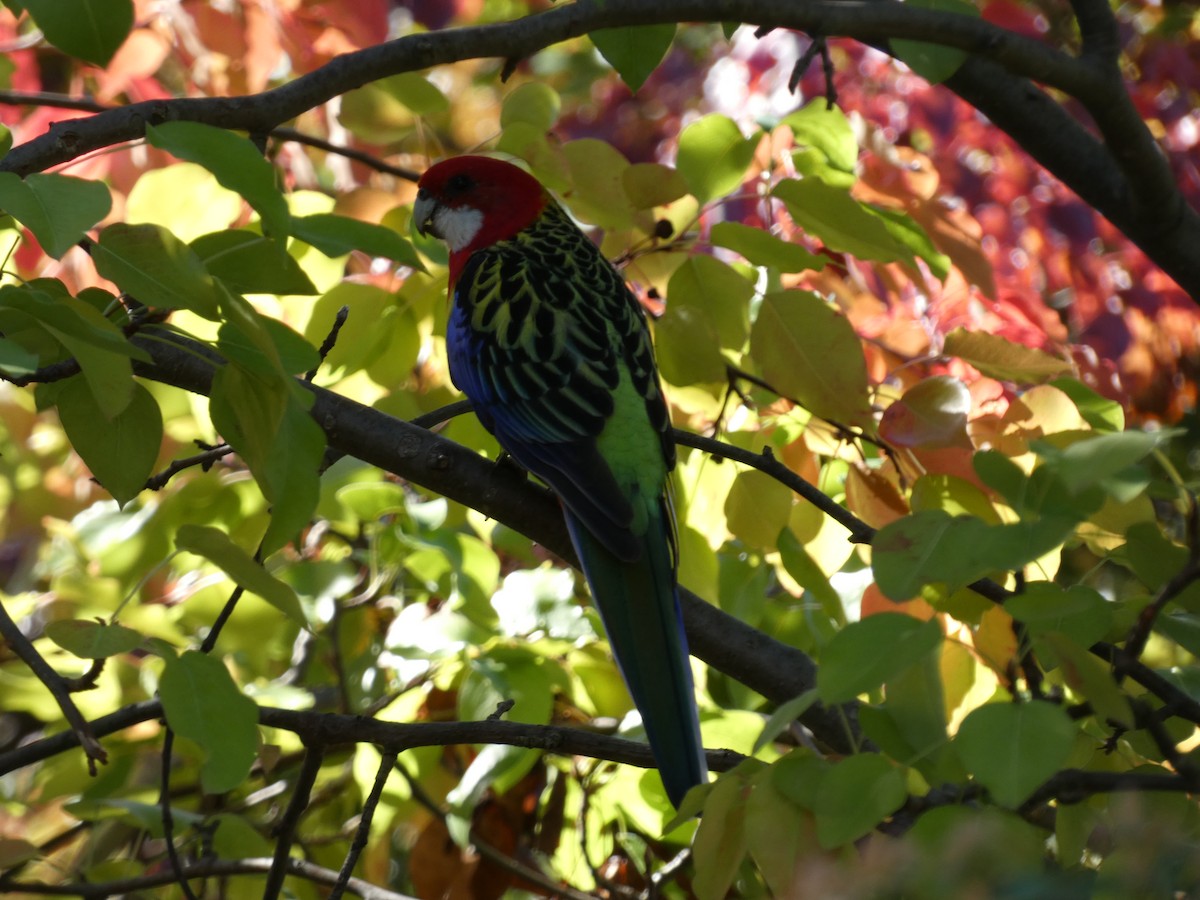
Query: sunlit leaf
{"x": 215, "y": 546}
{"x": 998, "y": 357}
{"x": 764, "y": 249}
{"x": 932, "y": 413}
{"x": 184, "y": 198}
{"x": 533, "y": 103}
{"x": 652, "y": 184}
{"x": 841, "y": 223}
{"x": 809, "y": 352}
{"x": 234, "y": 160}
{"x": 825, "y": 135}
{"x": 713, "y": 156}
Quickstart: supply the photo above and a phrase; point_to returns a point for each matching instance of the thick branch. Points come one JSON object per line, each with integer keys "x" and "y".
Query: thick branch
{"x": 775, "y": 670}
{"x": 1141, "y": 197}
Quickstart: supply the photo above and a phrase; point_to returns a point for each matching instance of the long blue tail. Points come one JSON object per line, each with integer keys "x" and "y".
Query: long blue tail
{"x": 639, "y": 605}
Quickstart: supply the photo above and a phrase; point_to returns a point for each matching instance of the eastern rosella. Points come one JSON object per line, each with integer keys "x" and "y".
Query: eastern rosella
{"x": 552, "y": 348}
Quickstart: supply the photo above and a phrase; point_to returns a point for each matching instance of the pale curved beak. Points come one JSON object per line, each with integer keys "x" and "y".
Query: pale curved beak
{"x": 424, "y": 210}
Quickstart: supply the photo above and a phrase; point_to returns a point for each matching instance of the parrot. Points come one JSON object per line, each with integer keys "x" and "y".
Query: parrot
{"x": 553, "y": 350}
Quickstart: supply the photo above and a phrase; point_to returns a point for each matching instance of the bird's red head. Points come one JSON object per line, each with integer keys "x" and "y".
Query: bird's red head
{"x": 474, "y": 201}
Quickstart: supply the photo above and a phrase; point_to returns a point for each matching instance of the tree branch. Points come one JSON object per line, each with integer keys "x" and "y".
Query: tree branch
{"x": 58, "y": 687}
{"x": 1000, "y": 78}
{"x": 775, "y": 670}
{"x": 99, "y": 890}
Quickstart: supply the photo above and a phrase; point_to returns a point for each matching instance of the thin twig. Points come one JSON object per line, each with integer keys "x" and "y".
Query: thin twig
{"x": 361, "y": 835}
{"x": 168, "y": 819}
{"x": 330, "y": 341}
{"x": 210, "y": 868}
{"x": 367, "y": 159}
{"x": 204, "y": 460}
{"x": 58, "y": 687}
{"x": 1139, "y": 634}
{"x": 314, "y": 755}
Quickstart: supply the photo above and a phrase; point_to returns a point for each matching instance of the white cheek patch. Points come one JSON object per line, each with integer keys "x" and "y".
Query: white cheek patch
{"x": 457, "y": 227}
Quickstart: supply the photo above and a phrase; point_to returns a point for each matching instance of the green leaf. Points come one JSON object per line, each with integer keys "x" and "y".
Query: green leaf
{"x": 763, "y": 249}
{"x": 247, "y": 409}
{"x": 1078, "y": 612}
{"x": 1182, "y": 628}
{"x": 120, "y": 449}
{"x": 1089, "y": 678}
{"x": 1093, "y": 459}
{"x": 865, "y": 654}
{"x": 931, "y": 414}
{"x": 597, "y": 191}
{"x": 336, "y": 235}
{"x": 237, "y": 164}
{"x": 293, "y": 471}
{"x": 215, "y": 546}
{"x": 933, "y": 547}
{"x": 713, "y": 156}
{"x": 202, "y": 703}
{"x": 757, "y": 508}
{"x": 783, "y": 717}
{"x": 252, "y": 264}
{"x": 508, "y": 673}
{"x": 829, "y": 149}
{"x": 58, "y": 209}
{"x": 905, "y": 231}
{"x": 718, "y": 293}
{"x": 87, "y": 29}
{"x": 6, "y": 140}
{"x": 155, "y": 267}
{"x": 1012, "y": 748}
{"x": 842, "y": 223}
{"x": 92, "y": 640}
{"x": 634, "y": 51}
{"x": 720, "y": 843}
{"x": 15, "y": 360}
{"x": 97, "y": 344}
{"x": 1002, "y": 359}
{"x": 809, "y": 352}
{"x": 416, "y": 92}
{"x": 688, "y": 347}
{"x": 282, "y": 351}
{"x": 184, "y": 198}
{"x": 775, "y": 831}
{"x": 854, "y": 796}
{"x": 934, "y": 62}
{"x": 650, "y": 184}
{"x": 532, "y": 103}
{"x": 1098, "y": 411}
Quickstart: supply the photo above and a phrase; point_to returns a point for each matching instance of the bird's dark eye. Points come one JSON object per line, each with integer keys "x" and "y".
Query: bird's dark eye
{"x": 422, "y": 194}
{"x": 459, "y": 184}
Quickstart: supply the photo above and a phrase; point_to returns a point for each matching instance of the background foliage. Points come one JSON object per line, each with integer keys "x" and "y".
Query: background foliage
{"x": 261, "y": 625}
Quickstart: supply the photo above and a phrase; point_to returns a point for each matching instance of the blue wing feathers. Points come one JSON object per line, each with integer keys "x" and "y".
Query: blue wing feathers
{"x": 540, "y": 361}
